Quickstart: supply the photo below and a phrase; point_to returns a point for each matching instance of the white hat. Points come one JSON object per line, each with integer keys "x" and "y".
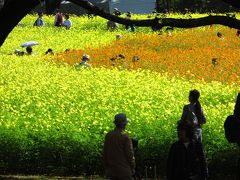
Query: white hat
{"x": 86, "y": 56}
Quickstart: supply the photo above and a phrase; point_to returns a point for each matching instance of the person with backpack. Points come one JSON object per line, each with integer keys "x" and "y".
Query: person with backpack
{"x": 232, "y": 130}
{"x": 232, "y": 124}
{"x": 39, "y": 22}
{"x": 186, "y": 159}
{"x": 58, "y": 21}
{"x": 193, "y": 113}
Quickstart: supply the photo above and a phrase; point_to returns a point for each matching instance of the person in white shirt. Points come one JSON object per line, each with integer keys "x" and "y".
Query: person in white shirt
{"x": 84, "y": 62}
{"x": 67, "y": 22}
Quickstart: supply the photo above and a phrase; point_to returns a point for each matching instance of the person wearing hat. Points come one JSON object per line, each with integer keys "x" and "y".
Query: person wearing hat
{"x": 118, "y": 154}
{"x": 85, "y": 59}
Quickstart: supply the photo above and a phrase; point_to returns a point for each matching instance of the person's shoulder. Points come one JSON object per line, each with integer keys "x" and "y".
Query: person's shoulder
{"x": 176, "y": 145}
{"x": 125, "y": 135}
{"x": 186, "y": 107}
{"x": 109, "y": 133}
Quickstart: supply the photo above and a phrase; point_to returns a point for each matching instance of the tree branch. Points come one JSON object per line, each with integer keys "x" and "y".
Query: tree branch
{"x": 158, "y": 22}
{"x": 233, "y": 3}
{"x": 22, "y": 7}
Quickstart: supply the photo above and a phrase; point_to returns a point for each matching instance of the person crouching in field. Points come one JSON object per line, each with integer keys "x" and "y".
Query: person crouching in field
{"x": 67, "y": 22}
{"x": 112, "y": 25}
{"x": 85, "y": 60}
{"x": 39, "y": 22}
{"x": 118, "y": 154}
{"x": 58, "y": 21}
{"x": 186, "y": 159}
{"x": 83, "y": 63}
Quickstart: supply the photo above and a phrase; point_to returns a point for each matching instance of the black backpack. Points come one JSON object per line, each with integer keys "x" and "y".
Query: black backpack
{"x": 232, "y": 129}
{"x": 232, "y": 124}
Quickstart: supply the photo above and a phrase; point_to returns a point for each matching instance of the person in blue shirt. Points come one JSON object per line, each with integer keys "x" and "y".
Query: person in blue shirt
{"x": 67, "y": 22}
{"x": 39, "y": 22}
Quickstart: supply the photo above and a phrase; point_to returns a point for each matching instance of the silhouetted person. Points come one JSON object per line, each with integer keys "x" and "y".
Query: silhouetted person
{"x": 193, "y": 113}
{"x": 232, "y": 124}
{"x": 29, "y": 50}
{"x": 49, "y": 51}
{"x": 186, "y": 159}
{"x": 118, "y": 154}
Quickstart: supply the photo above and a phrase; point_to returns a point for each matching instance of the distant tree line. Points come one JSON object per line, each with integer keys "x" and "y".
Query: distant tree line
{"x": 199, "y": 6}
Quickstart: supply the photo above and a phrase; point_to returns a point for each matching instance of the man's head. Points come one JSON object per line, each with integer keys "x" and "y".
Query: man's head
{"x": 85, "y": 57}
{"x": 120, "y": 120}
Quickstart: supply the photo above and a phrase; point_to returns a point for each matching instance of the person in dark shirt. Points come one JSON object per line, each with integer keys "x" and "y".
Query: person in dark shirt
{"x": 194, "y": 108}
{"x": 186, "y": 159}
{"x": 58, "y": 21}
{"x": 118, "y": 153}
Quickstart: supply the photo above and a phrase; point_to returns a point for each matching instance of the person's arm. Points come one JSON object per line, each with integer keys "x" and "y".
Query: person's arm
{"x": 130, "y": 153}
{"x": 203, "y": 117}
{"x": 184, "y": 114}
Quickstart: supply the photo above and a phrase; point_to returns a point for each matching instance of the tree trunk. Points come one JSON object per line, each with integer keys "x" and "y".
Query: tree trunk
{"x": 52, "y": 5}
